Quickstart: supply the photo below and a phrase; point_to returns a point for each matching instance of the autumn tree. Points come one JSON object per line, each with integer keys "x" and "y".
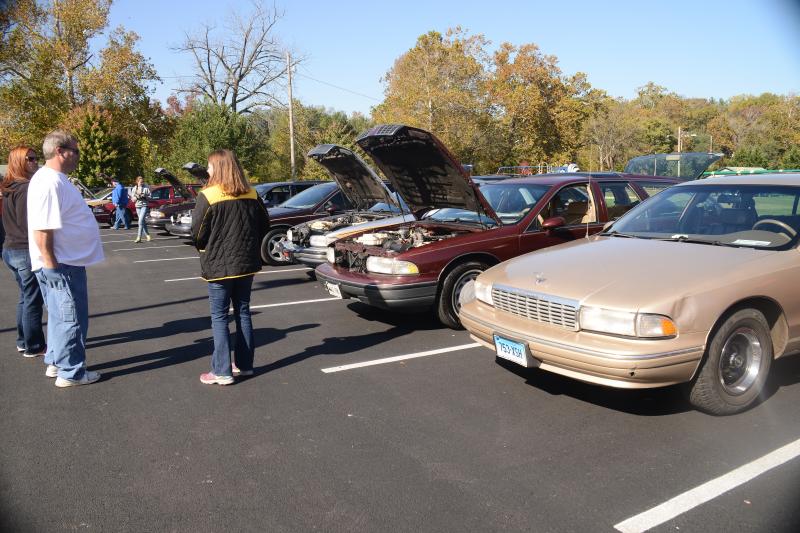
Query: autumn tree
{"x": 439, "y": 85}
{"x": 102, "y": 152}
{"x": 48, "y": 68}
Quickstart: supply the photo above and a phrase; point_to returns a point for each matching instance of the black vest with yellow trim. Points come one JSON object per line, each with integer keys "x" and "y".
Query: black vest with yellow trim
{"x": 227, "y": 231}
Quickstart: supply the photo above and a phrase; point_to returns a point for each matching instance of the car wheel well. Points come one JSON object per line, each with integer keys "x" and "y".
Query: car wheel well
{"x": 489, "y": 259}
{"x": 772, "y": 311}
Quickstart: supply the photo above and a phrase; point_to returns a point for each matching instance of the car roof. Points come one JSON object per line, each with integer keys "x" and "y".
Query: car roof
{"x": 750, "y": 179}
{"x": 569, "y": 177}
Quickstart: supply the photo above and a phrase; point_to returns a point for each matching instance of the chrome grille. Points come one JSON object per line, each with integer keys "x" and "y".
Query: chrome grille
{"x": 536, "y": 306}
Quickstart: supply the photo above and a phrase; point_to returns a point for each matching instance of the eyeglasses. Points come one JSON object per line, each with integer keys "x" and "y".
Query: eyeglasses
{"x": 31, "y": 159}
{"x": 70, "y": 148}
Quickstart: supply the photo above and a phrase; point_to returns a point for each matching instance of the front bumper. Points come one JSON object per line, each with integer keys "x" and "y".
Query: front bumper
{"x": 156, "y": 223}
{"x": 599, "y": 359}
{"x": 181, "y": 230}
{"x": 411, "y": 294}
{"x": 312, "y": 255}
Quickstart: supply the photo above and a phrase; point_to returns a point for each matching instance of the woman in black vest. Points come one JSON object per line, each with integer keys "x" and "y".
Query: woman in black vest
{"x": 228, "y": 225}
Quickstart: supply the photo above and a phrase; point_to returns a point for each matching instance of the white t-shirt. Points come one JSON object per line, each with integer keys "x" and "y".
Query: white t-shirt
{"x": 55, "y": 203}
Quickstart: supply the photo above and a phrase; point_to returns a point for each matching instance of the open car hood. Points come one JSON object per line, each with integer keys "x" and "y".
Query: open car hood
{"x": 685, "y": 165}
{"x": 198, "y": 171}
{"x": 356, "y": 179}
{"x": 175, "y": 182}
{"x": 423, "y": 172}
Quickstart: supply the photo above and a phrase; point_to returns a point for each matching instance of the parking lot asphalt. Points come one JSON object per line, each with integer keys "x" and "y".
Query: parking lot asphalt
{"x": 449, "y": 441}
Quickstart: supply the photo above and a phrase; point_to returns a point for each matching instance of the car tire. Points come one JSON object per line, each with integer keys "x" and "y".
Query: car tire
{"x": 269, "y": 252}
{"x": 735, "y": 367}
{"x": 447, "y": 304}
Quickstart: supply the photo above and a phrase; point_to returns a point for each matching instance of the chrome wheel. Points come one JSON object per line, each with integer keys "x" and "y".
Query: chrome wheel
{"x": 274, "y": 250}
{"x": 740, "y": 361}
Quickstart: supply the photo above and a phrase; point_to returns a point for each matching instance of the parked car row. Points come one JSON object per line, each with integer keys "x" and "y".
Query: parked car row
{"x": 576, "y": 273}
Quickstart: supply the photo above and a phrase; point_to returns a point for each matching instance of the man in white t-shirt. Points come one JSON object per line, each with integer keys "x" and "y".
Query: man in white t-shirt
{"x": 63, "y": 240}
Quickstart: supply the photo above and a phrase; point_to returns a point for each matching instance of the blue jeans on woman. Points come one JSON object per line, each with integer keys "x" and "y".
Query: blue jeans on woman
{"x": 66, "y": 295}
{"x": 141, "y": 212}
{"x": 220, "y": 295}
{"x": 30, "y": 335}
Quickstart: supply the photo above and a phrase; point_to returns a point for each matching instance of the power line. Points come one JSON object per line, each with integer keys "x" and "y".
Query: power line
{"x": 340, "y": 88}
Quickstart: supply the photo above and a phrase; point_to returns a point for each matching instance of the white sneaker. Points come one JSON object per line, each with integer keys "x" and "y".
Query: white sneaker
{"x": 52, "y": 371}
{"x": 89, "y": 376}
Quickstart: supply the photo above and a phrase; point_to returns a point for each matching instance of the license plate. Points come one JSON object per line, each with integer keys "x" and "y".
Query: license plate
{"x": 333, "y": 289}
{"x": 511, "y": 350}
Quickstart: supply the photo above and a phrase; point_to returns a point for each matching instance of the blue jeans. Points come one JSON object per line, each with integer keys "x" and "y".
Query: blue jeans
{"x": 30, "y": 335}
{"x": 122, "y": 218}
{"x": 141, "y": 212}
{"x": 67, "y": 298}
{"x": 220, "y": 295}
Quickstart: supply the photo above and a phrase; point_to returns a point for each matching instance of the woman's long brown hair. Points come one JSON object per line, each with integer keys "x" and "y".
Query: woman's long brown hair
{"x": 17, "y": 169}
{"x": 228, "y": 173}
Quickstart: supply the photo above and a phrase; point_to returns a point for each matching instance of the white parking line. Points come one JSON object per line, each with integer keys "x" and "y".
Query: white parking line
{"x": 154, "y": 239}
{"x": 708, "y": 491}
{"x": 396, "y": 358}
{"x": 257, "y": 274}
{"x": 170, "y": 259}
{"x": 294, "y": 303}
{"x": 148, "y": 248}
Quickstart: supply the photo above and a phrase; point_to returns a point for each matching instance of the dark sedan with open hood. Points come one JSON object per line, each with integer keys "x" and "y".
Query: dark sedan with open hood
{"x": 372, "y": 202}
{"x": 467, "y": 229}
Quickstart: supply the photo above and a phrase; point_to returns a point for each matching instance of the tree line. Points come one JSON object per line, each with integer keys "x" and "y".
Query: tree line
{"x": 492, "y": 106}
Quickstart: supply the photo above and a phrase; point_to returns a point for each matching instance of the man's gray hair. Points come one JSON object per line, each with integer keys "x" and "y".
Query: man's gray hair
{"x": 55, "y": 139}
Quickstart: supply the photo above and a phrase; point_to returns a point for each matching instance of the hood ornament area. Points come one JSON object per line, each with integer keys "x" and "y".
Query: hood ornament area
{"x": 539, "y": 277}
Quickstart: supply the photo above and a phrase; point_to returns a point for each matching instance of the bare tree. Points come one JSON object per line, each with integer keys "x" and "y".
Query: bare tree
{"x": 244, "y": 69}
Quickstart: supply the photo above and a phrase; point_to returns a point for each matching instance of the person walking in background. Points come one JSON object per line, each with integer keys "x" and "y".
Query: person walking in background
{"x": 141, "y": 195}
{"x": 119, "y": 197}
{"x": 22, "y": 164}
{"x": 228, "y": 225}
{"x": 63, "y": 240}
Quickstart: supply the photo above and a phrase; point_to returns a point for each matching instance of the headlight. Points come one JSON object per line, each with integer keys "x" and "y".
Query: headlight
{"x": 483, "y": 291}
{"x": 98, "y": 210}
{"x": 388, "y": 265}
{"x": 289, "y": 235}
{"x": 626, "y": 323}
{"x": 156, "y": 214}
{"x": 330, "y": 254}
{"x": 321, "y": 241}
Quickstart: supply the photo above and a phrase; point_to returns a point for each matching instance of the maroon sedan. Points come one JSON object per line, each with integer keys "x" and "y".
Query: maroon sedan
{"x": 467, "y": 229}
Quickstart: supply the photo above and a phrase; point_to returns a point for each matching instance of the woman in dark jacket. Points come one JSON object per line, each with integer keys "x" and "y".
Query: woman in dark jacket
{"x": 22, "y": 164}
{"x": 228, "y": 225}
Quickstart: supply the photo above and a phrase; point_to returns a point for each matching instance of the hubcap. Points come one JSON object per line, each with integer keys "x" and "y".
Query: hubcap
{"x": 465, "y": 278}
{"x": 274, "y": 253}
{"x": 740, "y": 361}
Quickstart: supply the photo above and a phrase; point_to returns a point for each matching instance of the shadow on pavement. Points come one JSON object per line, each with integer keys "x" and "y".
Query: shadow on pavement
{"x": 643, "y": 402}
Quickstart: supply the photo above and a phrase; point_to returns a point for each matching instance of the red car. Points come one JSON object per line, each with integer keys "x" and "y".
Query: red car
{"x": 159, "y": 195}
{"x": 467, "y": 229}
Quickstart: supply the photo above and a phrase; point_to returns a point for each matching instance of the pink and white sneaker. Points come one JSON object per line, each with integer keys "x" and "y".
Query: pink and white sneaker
{"x": 210, "y": 378}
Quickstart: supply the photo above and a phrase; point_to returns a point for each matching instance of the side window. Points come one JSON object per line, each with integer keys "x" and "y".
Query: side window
{"x": 338, "y": 201}
{"x": 619, "y": 197}
{"x": 574, "y": 203}
{"x": 653, "y": 187}
{"x": 160, "y": 194}
{"x": 278, "y": 195}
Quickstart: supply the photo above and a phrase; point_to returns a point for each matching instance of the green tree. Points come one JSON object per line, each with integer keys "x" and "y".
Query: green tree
{"x": 791, "y": 159}
{"x": 208, "y": 127}
{"x": 101, "y": 151}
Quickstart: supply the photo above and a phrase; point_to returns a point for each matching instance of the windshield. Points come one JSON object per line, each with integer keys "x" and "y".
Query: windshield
{"x": 390, "y": 208}
{"x": 754, "y": 216}
{"x": 309, "y": 197}
{"x": 102, "y": 194}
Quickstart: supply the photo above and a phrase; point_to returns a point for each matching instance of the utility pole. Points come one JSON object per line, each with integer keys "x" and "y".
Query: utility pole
{"x": 291, "y": 114}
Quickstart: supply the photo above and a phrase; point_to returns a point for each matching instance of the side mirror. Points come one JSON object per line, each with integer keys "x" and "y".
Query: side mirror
{"x": 330, "y": 208}
{"x": 553, "y": 223}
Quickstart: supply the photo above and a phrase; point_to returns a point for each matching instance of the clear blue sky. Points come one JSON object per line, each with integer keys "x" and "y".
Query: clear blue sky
{"x": 699, "y": 48}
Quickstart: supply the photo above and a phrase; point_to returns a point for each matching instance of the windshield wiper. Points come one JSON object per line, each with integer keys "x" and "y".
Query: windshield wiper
{"x": 615, "y": 233}
{"x": 686, "y": 238}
